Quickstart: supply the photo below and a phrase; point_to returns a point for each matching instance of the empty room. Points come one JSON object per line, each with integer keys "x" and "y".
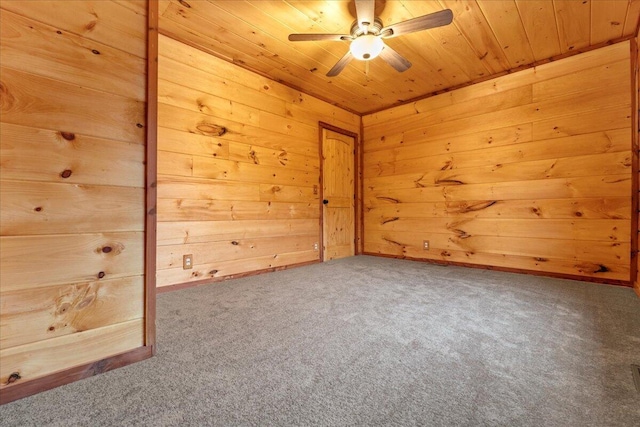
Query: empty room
{"x": 319, "y": 212}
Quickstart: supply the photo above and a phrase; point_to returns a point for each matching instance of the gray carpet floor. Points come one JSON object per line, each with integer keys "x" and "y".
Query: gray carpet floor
{"x": 370, "y": 341}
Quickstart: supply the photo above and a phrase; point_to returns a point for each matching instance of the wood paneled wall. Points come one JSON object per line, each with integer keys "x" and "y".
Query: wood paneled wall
{"x": 73, "y": 91}
{"x": 529, "y": 171}
{"x": 238, "y": 168}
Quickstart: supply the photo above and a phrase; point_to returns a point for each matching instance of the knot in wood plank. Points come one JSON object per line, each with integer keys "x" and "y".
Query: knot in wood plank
{"x": 7, "y": 100}
{"x": 210, "y": 129}
{"x": 448, "y": 182}
{"x": 15, "y": 376}
{"x": 386, "y": 220}
{"x": 112, "y": 248}
{"x": 69, "y": 136}
{"x": 388, "y": 199}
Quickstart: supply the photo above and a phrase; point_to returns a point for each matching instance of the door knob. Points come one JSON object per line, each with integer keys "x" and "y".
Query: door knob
{"x": 325, "y": 201}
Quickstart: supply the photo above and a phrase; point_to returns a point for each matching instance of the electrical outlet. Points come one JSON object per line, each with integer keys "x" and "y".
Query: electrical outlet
{"x": 187, "y": 262}
{"x": 315, "y": 246}
{"x": 425, "y": 245}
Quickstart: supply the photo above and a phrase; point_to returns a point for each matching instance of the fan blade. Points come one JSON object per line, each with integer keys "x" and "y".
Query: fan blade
{"x": 314, "y": 37}
{"x": 365, "y": 13}
{"x": 340, "y": 65}
{"x": 437, "y": 19}
{"x": 393, "y": 58}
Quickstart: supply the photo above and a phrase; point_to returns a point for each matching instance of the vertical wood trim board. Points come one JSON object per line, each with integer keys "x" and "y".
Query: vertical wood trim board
{"x": 530, "y": 171}
{"x": 635, "y": 205}
{"x": 151, "y": 175}
{"x": 73, "y": 153}
{"x": 238, "y": 161}
{"x": 360, "y": 206}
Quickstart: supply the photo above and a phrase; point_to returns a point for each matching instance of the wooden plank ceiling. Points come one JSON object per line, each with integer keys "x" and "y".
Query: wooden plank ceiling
{"x": 487, "y": 38}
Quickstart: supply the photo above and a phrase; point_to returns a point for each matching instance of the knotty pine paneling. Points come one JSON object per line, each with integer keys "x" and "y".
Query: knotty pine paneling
{"x": 35, "y": 360}
{"x": 178, "y": 210}
{"x": 243, "y": 199}
{"x": 486, "y": 39}
{"x": 69, "y": 309}
{"x": 35, "y": 208}
{"x": 113, "y": 23}
{"x": 250, "y": 84}
{"x": 178, "y": 233}
{"x": 54, "y": 52}
{"x": 30, "y": 99}
{"x": 44, "y": 260}
{"x": 72, "y": 145}
{"x": 530, "y": 171}
{"x": 71, "y": 158}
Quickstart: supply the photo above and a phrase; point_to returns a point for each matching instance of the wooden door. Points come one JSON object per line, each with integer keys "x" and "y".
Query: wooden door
{"x": 338, "y": 225}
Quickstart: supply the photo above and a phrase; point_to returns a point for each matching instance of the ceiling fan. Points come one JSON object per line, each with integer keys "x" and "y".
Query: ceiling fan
{"x": 367, "y": 33}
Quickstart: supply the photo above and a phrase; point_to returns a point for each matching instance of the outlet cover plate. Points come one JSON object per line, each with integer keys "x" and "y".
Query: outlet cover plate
{"x": 187, "y": 262}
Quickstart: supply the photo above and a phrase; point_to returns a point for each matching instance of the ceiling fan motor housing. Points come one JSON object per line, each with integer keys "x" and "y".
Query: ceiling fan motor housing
{"x": 373, "y": 28}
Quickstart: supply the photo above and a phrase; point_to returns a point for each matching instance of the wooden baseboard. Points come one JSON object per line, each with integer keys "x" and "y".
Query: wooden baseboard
{"x": 19, "y": 390}
{"x": 211, "y": 280}
{"x": 510, "y": 270}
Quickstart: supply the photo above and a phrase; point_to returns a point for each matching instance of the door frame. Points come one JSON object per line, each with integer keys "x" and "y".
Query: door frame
{"x": 357, "y": 190}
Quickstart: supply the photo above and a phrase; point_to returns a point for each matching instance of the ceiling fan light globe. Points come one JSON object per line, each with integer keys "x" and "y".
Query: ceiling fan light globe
{"x": 366, "y": 47}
